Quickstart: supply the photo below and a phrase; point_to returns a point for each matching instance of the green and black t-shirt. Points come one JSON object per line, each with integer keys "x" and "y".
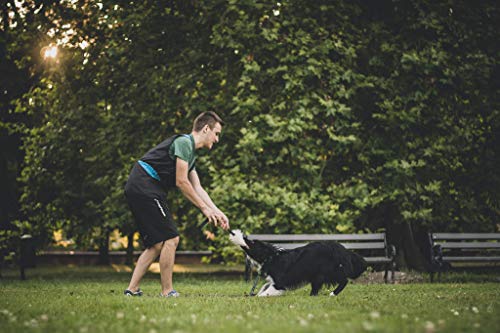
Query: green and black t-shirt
{"x": 160, "y": 162}
{"x": 183, "y": 148}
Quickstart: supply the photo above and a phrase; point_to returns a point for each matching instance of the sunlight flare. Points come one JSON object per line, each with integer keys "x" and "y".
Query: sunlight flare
{"x": 49, "y": 52}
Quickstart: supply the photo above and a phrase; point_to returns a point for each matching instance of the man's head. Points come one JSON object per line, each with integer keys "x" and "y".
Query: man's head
{"x": 207, "y": 127}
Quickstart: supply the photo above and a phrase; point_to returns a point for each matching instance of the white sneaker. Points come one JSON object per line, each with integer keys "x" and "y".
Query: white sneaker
{"x": 172, "y": 293}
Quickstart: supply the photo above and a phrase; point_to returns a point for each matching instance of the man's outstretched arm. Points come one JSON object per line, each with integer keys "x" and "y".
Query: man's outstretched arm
{"x": 184, "y": 184}
{"x": 195, "y": 181}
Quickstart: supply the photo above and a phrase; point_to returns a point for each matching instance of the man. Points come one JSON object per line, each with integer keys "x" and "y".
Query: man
{"x": 170, "y": 164}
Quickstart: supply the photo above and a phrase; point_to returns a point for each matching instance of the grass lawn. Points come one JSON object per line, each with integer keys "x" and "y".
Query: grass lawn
{"x": 89, "y": 299}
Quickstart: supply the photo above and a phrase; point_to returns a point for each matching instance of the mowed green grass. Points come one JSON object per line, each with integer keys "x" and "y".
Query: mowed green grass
{"x": 90, "y": 300}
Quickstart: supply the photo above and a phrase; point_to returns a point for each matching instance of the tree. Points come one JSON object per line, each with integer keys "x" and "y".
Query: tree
{"x": 341, "y": 117}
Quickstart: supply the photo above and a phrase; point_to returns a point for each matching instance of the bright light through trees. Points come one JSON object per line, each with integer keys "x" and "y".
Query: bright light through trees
{"x": 49, "y": 52}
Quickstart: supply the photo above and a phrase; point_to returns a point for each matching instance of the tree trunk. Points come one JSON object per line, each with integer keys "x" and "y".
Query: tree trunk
{"x": 104, "y": 249}
{"x": 412, "y": 244}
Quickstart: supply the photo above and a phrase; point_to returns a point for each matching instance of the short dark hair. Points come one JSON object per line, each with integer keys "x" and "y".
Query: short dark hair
{"x": 209, "y": 118}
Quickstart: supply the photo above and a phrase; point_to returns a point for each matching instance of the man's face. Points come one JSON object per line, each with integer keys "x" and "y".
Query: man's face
{"x": 213, "y": 135}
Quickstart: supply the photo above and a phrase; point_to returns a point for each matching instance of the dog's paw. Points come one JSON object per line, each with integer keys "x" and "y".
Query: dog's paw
{"x": 332, "y": 294}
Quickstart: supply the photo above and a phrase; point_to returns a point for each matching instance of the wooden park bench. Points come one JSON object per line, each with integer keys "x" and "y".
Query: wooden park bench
{"x": 463, "y": 248}
{"x": 373, "y": 247}
{"x": 115, "y": 257}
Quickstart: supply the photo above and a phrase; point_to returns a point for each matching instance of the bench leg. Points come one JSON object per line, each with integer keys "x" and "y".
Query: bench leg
{"x": 393, "y": 268}
{"x": 386, "y": 273}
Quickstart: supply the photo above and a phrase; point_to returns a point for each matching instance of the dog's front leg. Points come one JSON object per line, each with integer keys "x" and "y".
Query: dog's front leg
{"x": 269, "y": 289}
{"x": 264, "y": 288}
{"x": 272, "y": 291}
{"x": 270, "y": 281}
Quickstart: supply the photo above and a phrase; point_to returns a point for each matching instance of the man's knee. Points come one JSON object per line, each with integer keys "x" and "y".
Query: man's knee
{"x": 157, "y": 247}
{"x": 172, "y": 242}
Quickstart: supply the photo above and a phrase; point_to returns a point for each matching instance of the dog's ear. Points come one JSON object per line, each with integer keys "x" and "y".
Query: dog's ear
{"x": 237, "y": 238}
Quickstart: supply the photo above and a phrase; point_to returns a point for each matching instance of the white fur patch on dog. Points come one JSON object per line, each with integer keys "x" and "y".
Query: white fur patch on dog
{"x": 237, "y": 238}
{"x": 264, "y": 288}
{"x": 271, "y": 291}
{"x": 269, "y": 282}
{"x": 268, "y": 289}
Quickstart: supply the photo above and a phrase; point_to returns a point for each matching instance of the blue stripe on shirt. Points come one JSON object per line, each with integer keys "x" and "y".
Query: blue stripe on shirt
{"x": 149, "y": 169}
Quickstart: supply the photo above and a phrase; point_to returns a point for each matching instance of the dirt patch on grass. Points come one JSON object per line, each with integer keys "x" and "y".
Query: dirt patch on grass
{"x": 399, "y": 277}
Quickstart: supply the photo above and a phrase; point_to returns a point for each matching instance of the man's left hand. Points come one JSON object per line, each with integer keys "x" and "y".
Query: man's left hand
{"x": 223, "y": 220}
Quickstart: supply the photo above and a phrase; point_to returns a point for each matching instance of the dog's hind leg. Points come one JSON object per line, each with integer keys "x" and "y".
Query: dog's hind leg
{"x": 315, "y": 287}
{"x": 339, "y": 288}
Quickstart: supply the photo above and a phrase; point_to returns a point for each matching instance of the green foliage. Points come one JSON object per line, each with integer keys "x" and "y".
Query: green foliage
{"x": 8, "y": 244}
{"x": 341, "y": 117}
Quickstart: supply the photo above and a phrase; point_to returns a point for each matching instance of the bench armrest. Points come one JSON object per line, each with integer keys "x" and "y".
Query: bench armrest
{"x": 437, "y": 253}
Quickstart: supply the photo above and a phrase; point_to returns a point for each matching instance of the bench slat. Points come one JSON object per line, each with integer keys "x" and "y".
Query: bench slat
{"x": 459, "y": 259}
{"x": 469, "y": 245}
{"x": 465, "y": 236}
{"x": 373, "y": 260}
{"x": 364, "y": 246}
{"x": 316, "y": 237}
{"x": 377, "y": 259}
{"x": 289, "y": 246}
{"x": 350, "y": 246}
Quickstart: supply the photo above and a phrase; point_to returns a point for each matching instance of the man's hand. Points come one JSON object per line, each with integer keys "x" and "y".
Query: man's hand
{"x": 225, "y": 220}
{"x": 217, "y": 217}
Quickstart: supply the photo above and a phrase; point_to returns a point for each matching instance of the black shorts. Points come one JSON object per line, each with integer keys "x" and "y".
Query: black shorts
{"x": 147, "y": 201}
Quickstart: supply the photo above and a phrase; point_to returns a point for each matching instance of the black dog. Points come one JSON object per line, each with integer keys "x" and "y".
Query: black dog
{"x": 318, "y": 263}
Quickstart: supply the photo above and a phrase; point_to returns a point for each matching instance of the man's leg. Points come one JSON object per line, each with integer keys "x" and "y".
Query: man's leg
{"x": 167, "y": 259}
{"x": 145, "y": 260}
